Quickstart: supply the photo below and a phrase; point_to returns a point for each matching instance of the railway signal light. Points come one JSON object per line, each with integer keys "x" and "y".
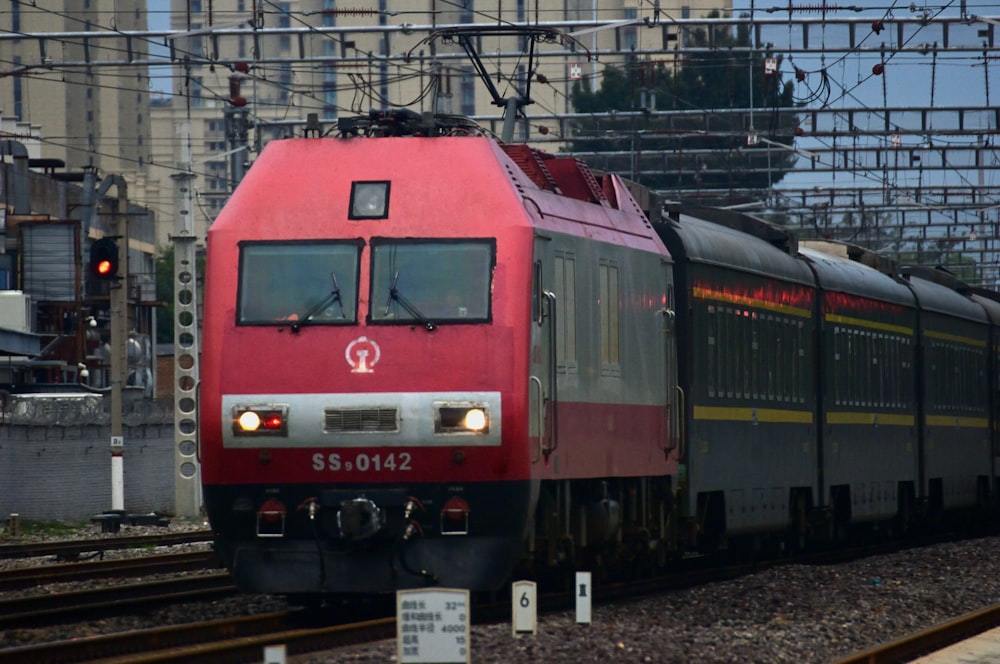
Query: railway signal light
{"x": 104, "y": 259}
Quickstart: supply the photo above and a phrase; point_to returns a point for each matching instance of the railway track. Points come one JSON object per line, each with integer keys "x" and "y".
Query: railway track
{"x": 38, "y": 575}
{"x": 929, "y": 640}
{"x": 46, "y": 609}
{"x": 68, "y": 549}
{"x": 218, "y": 642}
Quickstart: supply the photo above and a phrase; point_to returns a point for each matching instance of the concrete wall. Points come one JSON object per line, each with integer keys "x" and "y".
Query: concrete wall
{"x": 63, "y": 473}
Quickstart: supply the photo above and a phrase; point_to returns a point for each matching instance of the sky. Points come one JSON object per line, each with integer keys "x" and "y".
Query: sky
{"x": 914, "y": 80}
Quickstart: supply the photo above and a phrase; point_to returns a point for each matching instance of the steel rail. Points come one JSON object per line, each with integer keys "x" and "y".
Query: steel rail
{"x": 76, "y": 547}
{"x": 40, "y": 610}
{"x": 929, "y": 640}
{"x": 36, "y": 575}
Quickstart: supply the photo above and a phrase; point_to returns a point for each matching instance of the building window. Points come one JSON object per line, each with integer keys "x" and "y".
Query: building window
{"x": 468, "y": 93}
{"x": 19, "y": 90}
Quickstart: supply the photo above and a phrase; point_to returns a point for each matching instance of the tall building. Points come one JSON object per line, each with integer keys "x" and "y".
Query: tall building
{"x": 87, "y": 114}
{"x": 378, "y": 58}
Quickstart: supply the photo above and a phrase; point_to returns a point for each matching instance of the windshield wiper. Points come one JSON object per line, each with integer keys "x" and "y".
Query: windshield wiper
{"x": 406, "y": 304}
{"x": 332, "y": 296}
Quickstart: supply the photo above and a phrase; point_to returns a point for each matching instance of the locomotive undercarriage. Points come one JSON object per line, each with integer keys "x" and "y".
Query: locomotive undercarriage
{"x": 617, "y": 528}
{"x": 313, "y": 541}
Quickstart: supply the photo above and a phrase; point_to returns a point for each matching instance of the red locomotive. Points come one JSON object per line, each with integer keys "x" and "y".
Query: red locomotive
{"x": 396, "y": 387}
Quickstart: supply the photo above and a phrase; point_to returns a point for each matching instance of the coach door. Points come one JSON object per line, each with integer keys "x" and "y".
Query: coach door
{"x": 674, "y": 414}
{"x": 543, "y": 399}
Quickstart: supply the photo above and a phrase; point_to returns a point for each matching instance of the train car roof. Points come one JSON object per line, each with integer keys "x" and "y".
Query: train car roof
{"x": 990, "y": 301}
{"x": 733, "y": 240}
{"x": 933, "y": 295}
{"x": 836, "y": 270}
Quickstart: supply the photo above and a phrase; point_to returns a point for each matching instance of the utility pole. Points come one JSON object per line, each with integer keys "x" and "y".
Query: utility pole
{"x": 118, "y": 311}
{"x": 187, "y": 486}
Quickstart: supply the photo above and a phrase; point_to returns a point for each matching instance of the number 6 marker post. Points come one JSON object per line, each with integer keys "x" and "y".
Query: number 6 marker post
{"x": 524, "y": 608}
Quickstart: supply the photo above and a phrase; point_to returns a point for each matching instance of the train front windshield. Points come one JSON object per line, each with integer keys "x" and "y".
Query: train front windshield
{"x": 431, "y": 281}
{"x": 309, "y": 283}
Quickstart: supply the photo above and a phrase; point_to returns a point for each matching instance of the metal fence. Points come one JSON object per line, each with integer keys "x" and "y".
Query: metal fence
{"x": 74, "y": 409}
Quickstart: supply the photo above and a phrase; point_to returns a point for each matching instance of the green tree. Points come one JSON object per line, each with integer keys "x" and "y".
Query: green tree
{"x": 694, "y": 138}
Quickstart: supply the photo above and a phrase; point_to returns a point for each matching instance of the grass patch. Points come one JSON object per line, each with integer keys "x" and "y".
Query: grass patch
{"x": 52, "y": 528}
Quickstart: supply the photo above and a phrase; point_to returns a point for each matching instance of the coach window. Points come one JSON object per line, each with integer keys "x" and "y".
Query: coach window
{"x": 755, "y": 355}
{"x": 738, "y": 352}
{"x": 803, "y": 370}
{"x": 963, "y": 378}
{"x": 894, "y": 371}
{"x": 838, "y": 366}
{"x": 726, "y": 342}
{"x": 710, "y": 349}
{"x": 906, "y": 375}
{"x": 313, "y": 283}
{"x": 721, "y": 339}
{"x": 871, "y": 393}
{"x": 791, "y": 371}
{"x": 935, "y": 375}
{"x": 850, "y": 360}
{"x": 773, "y": 347}
{"x": 865, "y": 339}
{"x": 748, "y": 354}
{"x": 429, "y": 282}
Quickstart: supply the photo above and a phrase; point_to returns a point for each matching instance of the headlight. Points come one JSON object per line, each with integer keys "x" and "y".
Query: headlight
{"x": 455, "y": 418}
{"x": 475, "y": 419}
{"x": 260, "y": 420}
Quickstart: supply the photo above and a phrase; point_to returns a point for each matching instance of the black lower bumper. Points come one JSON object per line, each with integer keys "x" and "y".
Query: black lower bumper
{"x": 296, "y": 567}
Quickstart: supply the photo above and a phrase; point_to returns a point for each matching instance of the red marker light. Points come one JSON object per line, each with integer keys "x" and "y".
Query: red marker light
{"x": 272, "y": 511}
{"x": 103, "y": 267}
{"x": 272, "y": 421}
{"x": 455, "y": 508}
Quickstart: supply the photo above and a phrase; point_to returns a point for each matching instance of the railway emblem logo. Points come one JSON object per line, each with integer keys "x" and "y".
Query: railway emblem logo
{"x": 362, "y": 354}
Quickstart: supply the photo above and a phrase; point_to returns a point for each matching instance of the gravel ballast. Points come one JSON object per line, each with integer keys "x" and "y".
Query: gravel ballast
{"x": 796, "y": 613}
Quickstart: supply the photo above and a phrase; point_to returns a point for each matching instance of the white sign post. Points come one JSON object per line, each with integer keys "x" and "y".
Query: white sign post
{"x": 275, "y": 654}
{"x": 583, "y": 598}
{"x": 432, "y": 626}
{"x": 524, "y": 607}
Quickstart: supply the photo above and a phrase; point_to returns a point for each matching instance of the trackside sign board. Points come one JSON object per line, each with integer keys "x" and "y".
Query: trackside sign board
{"x": 432, "y": 626}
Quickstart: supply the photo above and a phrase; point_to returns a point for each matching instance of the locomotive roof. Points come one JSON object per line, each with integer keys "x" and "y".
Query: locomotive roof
{"x": 699, "y": 241}
{"x": 840, "y": 273}
{"x": 297, "y": 183}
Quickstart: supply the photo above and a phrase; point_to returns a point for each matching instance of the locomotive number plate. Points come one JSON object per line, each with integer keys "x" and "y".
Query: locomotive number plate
{"x": 361, "y": 462}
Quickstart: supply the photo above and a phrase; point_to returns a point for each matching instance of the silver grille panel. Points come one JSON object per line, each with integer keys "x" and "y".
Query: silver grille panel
{"x": 360, "y": 420}
{"x": 324, "y": 420}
